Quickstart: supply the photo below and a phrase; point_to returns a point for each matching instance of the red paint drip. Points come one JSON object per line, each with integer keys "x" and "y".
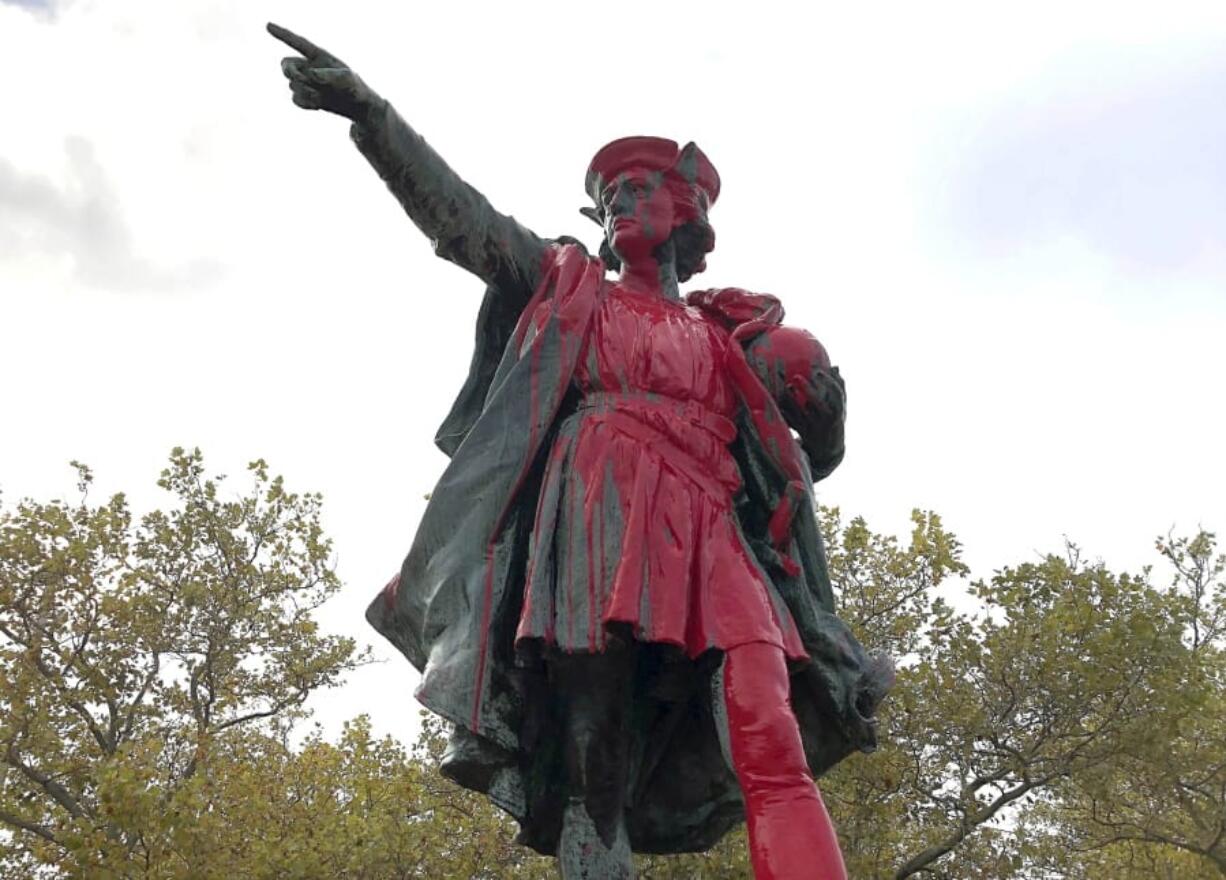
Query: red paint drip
{"x": 486, "y": 614}
{"x": 750, "y": 314}
{"x": 390, "y": 591}
{"x": 593, "y": 617}
{"x": 570, "y": 573}
{"x": 571, "y": 273}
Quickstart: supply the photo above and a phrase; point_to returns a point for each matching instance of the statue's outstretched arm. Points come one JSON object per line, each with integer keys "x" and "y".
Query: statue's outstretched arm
{"x": 461, "y": 223}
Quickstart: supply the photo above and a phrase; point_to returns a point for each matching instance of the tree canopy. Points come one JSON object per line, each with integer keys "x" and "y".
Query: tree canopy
{"x": 1053, "y": 719}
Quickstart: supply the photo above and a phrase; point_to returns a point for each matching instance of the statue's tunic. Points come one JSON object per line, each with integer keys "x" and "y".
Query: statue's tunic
{"x": 636, "y": 522}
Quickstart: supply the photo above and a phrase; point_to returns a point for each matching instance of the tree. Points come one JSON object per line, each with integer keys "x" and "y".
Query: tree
{"x": 1164, "y": 796}
{"x": 360, "y": 808}
{"x": 1052, "y": 679}
{"x": 1066, "y": 682}
{"x": 132, "y": 653}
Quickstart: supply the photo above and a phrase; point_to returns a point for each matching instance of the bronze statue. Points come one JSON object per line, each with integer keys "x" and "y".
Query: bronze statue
{"x": 618, "y": 593}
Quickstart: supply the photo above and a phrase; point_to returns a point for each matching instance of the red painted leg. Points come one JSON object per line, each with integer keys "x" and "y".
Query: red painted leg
{"x": 791, "y": 836}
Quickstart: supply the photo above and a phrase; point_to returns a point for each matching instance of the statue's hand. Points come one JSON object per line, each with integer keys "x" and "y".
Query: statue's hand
{"x": 321, "y": 81}
{"x": 815, "y": 406}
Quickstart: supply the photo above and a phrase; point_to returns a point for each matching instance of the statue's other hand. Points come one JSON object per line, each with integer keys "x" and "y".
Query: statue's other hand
{"x": 321, "y": 81}
{"x": 814, "y": 406}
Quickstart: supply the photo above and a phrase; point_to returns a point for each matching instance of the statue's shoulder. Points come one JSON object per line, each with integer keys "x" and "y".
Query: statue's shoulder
{"x": 562, "y": 252}
{"x": 566, "y": 241}
{"x": 736, "y": 308}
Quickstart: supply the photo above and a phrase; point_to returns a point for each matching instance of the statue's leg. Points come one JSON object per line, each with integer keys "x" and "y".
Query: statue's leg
{"x": 597, "y": 690}
{"x": 790, "y": 833}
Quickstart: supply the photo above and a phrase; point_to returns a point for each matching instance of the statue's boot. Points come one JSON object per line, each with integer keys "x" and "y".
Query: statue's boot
{"x": 791, "y": 836}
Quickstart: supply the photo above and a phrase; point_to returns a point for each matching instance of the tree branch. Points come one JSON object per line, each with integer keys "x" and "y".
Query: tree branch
{"x": 42, "y": 831}
{"x": 59, "y": 793}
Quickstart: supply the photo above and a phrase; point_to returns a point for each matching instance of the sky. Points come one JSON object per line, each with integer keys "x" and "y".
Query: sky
{"x": 1007, "y": 224}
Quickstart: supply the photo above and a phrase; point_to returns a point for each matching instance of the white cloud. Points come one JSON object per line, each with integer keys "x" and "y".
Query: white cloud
{"x": 81, "y": 218}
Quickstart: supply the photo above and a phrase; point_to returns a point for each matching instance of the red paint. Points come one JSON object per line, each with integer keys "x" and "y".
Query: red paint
{"x": 593, "y": 617}
{"x": 750, "y": 314}
{"x": 390, "y": 591}
{"x": 652, "y": 448}
{"x": 570, "y": 576}
{"x": 640, "y": 214}
{"x": 780, "y": 525}
{"x": 791, "y": 836}
{"x": 555, "y": 453}
{"x": 559, "y": 297}
{"x": 798, "y": 351}
{"x": 687, "y": 165}
{"x": 561, "y": 291}
{"x": 661, "y": 382}
{"x": 647, "y": 187}
{"x": 486, "y": 613}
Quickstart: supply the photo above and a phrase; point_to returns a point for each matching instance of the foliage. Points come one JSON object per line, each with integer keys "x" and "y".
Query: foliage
{"x": 363, "y": 807}
{"x": 1012, "y": 727}
{"x": 1166, "y": 790}
{"x": 134, "y": 654}
{"x": 1067, "y": 689}
{"x": 1055, "y": 719}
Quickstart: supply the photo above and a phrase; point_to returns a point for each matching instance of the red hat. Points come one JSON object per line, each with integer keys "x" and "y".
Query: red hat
{"x": 688, "y": 163}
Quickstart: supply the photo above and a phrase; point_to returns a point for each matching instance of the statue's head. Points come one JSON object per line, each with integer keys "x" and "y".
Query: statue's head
{"x": 650, "y": 193}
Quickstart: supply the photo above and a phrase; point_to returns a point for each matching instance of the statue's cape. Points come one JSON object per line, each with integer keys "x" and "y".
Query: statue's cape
{"x": 454, "y": 607}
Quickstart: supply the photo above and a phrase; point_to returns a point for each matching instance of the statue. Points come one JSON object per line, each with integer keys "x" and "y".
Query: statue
{"x": 618, "y": 593}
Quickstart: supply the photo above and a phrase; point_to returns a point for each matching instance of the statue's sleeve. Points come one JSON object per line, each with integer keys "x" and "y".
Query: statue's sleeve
{"x": 462, "y": 225}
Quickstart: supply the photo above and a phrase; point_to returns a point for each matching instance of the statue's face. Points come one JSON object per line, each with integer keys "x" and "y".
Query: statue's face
{"x": 639, "y": 213}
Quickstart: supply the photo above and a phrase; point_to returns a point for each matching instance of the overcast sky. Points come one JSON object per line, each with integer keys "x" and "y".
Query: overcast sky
{"x": 1009, "y": 228}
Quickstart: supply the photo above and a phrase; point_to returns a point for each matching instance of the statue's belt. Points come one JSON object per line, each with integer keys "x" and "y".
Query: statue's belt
{"x": 633, "y": 415}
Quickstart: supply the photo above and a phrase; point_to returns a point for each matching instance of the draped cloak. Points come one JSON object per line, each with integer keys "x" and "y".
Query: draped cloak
{"x": 454, "y": 607}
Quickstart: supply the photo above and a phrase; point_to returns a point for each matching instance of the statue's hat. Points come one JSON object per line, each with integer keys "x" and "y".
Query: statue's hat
{"x": 642, "y": 153}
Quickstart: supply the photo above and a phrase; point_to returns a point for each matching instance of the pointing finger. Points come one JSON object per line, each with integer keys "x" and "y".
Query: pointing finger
{"x": 295, "y": 42}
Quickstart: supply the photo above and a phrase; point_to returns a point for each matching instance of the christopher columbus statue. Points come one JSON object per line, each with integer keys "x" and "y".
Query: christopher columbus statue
{"x": 618, "y": 594}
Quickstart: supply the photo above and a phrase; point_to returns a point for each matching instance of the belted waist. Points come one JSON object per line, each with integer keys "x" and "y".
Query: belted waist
{"x": 691, "y": 411}
{"x": 691, "y": 437}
